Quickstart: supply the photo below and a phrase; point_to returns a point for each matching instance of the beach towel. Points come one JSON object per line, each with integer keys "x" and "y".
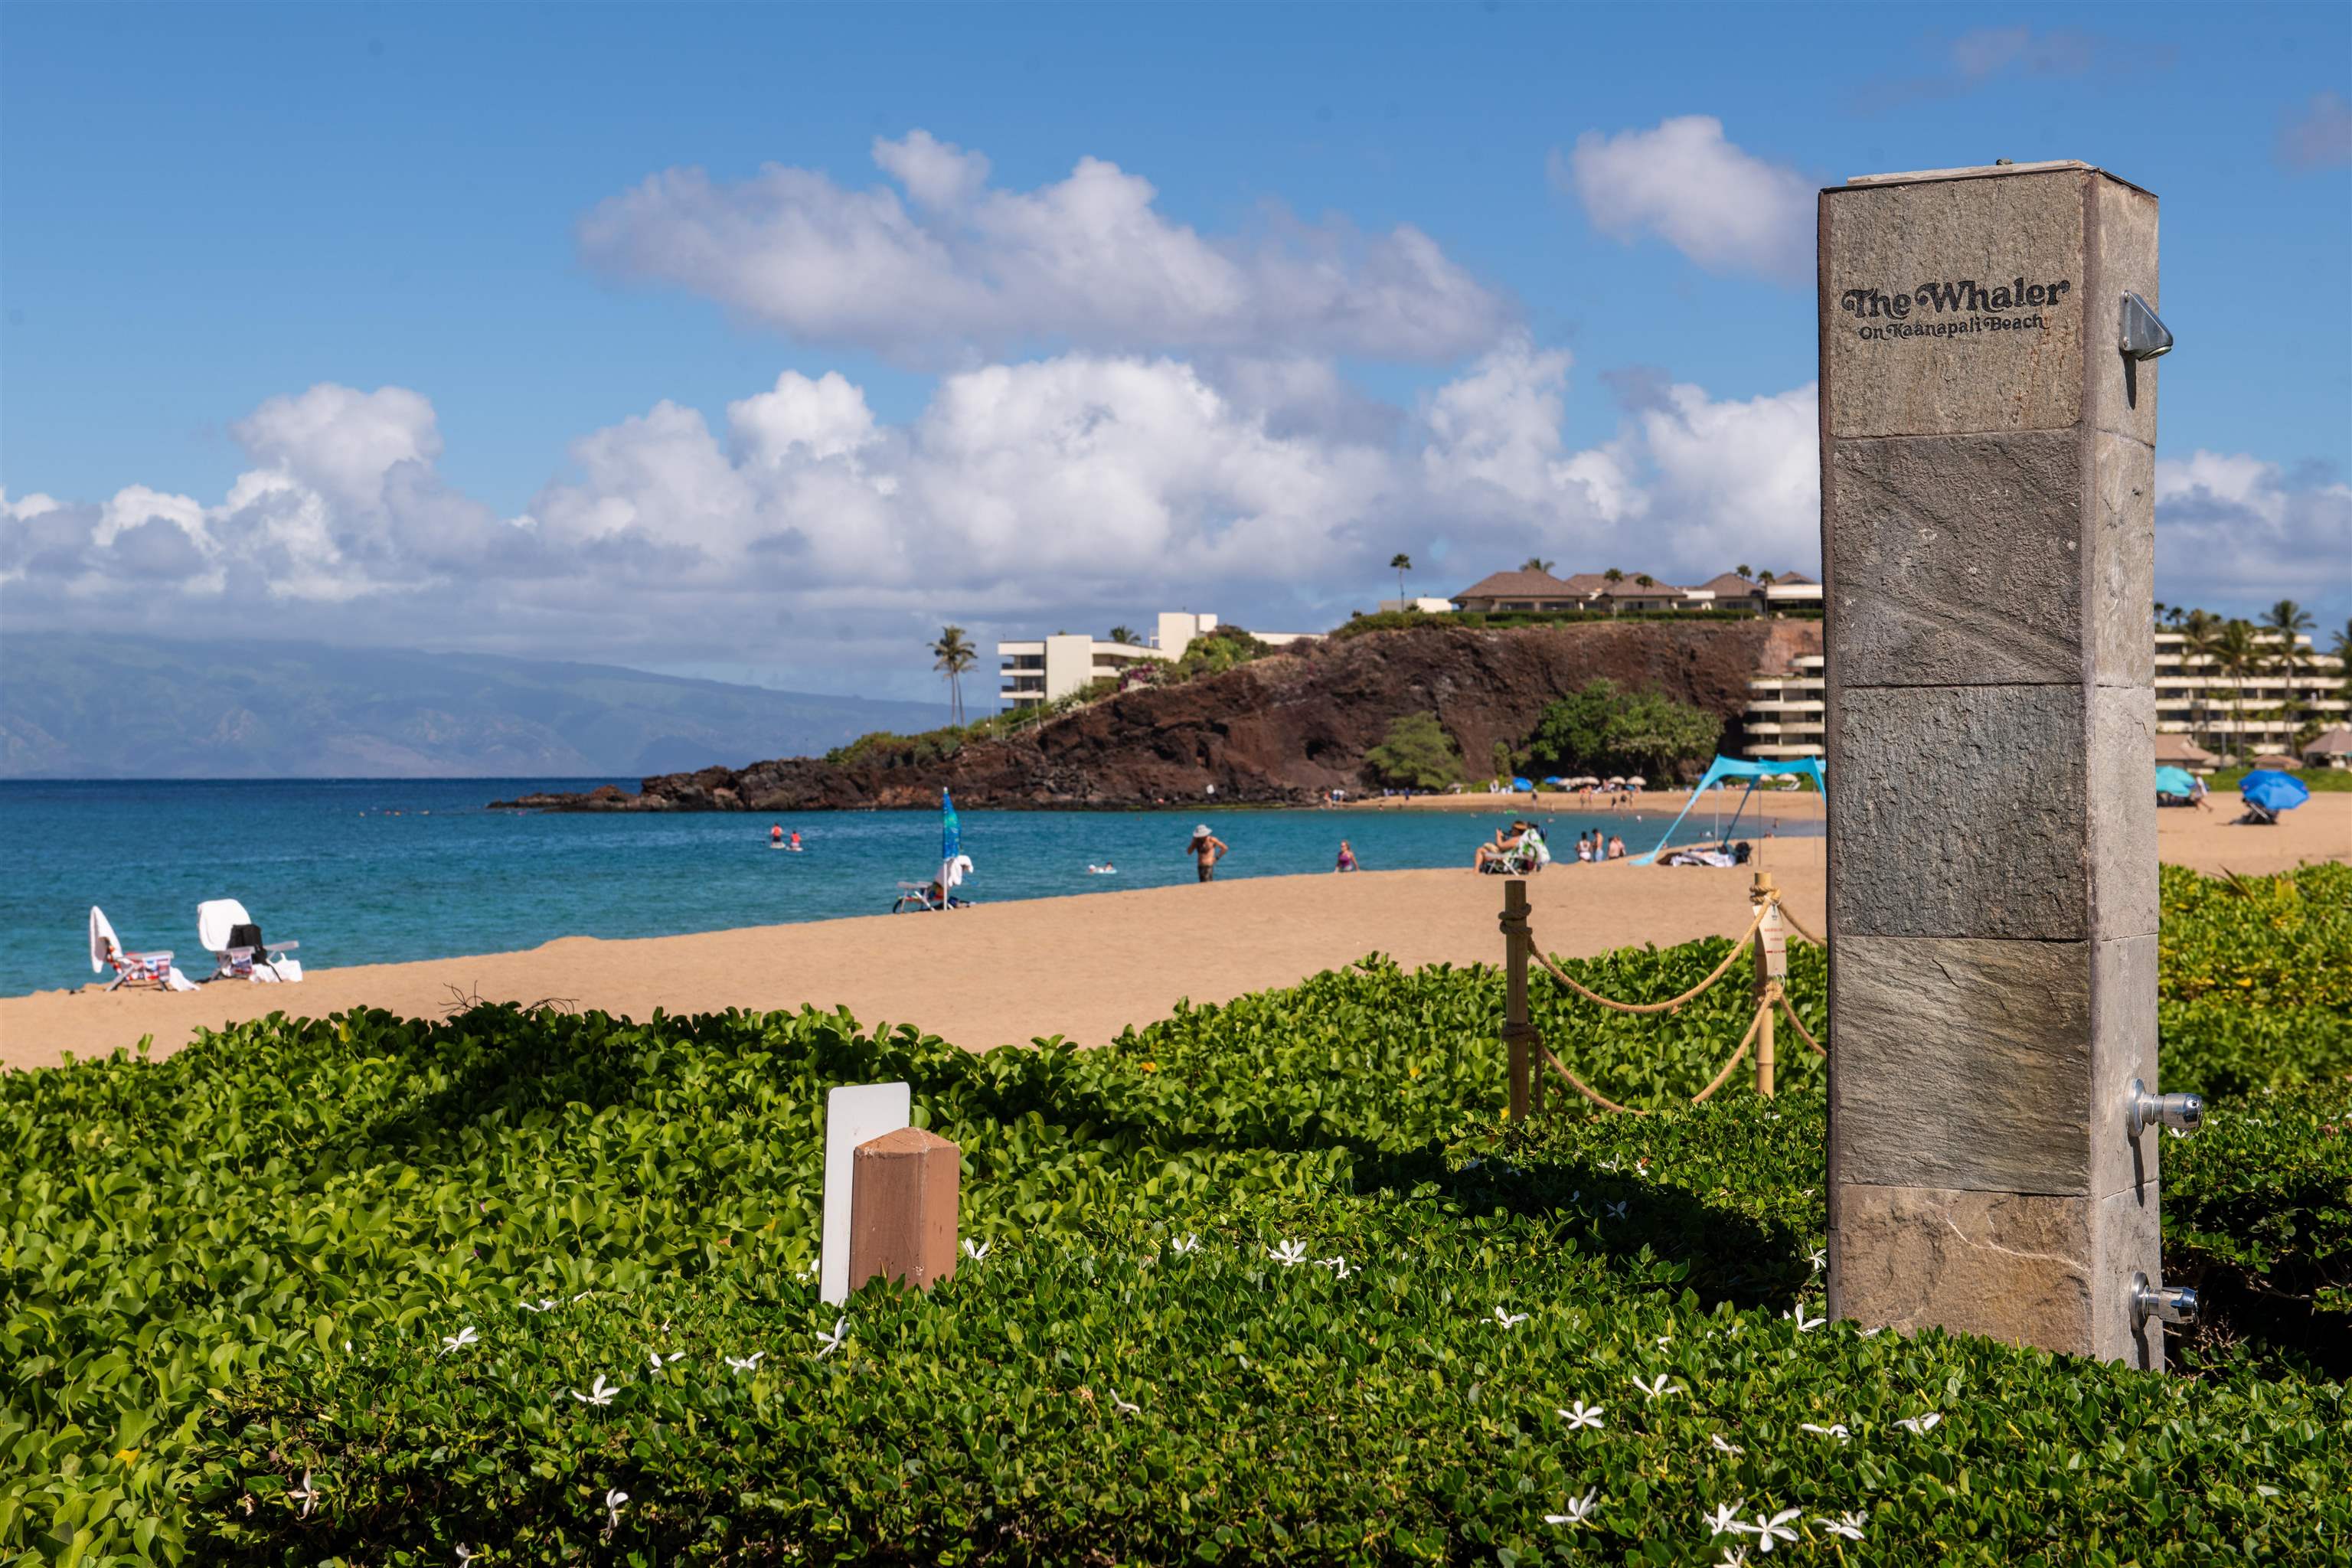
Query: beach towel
{"x": 106, "y": 948}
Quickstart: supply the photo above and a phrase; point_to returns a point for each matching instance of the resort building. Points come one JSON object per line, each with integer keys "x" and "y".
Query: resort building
{"x": 1044, "y": 668}
{"x": 2195, "y": 702}
{"x": 1787, "y": 714}
{"x": 2256, "y": 715}
{"x": 1530, "y": 591}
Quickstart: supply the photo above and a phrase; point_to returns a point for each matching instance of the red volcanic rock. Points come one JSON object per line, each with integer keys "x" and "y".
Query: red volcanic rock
{"x": 1279, "y": 730}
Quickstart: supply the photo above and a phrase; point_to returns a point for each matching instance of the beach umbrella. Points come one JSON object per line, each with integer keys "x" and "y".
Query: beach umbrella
{"x": 2175, "y": 781}
{"x": 1523, "y": 783}
{"x": 2273, "y": 791}
{"x": 1557, "y": 782}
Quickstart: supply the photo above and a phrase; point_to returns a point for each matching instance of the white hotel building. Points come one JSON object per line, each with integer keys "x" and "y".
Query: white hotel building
{"x": 1785, "y": 715}
{"x": 1044, "y": 668}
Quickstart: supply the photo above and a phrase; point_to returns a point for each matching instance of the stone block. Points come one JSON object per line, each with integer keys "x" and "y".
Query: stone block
{"x": 1964, "y": 356}
{"x": 1964, "y": 1064}
{"x": 2122, "y": 1047}
{"x": 1958, "y": 811}
{"x": 2121, "y": 801}
{"x": 2120, "y": 574}
{"x": 1956, "y": 560}
{"x": 2047, "y": 1271}
{"x": 2121, "y": 259}
{"x": 2126, "y": 1238}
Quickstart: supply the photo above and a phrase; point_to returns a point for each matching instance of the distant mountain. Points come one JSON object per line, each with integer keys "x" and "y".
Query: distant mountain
{"x": 84, "y": 707}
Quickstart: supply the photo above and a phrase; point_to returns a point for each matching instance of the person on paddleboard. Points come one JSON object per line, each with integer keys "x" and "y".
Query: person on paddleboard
{"x": 776, "y": 833}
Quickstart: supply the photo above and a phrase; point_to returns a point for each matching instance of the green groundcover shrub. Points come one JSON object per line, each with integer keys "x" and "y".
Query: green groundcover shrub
{"x": 1263, "y": 1282}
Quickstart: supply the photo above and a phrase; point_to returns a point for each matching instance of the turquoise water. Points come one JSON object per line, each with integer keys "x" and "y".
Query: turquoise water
{"x": 377, "y": 871}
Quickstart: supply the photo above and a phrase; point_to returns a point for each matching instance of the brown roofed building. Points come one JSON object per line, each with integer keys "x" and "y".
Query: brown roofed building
{"x": 1519, "y": 591}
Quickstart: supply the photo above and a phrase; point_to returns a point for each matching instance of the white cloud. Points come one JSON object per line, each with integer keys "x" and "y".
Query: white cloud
{"x": 2319, "y": 136}
{"x": 340, "y": 441}
{"x": 1738, "y": 479}
{"x": 1088, "y": 262}
{"x": 1682, "y": 182}
{"x": 2231, "y": 529}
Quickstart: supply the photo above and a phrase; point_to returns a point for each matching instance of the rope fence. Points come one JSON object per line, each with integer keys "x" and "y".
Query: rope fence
{"x": 1764, "y": 934}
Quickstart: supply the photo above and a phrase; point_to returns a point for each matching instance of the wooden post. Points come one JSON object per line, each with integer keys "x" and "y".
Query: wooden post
{"x": 1518, "y": 1034}
{"x": 1771, "y": 963}
{"x": 902, "y": 1209}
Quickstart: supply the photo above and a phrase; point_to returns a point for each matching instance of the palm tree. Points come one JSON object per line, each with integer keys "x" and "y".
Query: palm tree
{"x": 1742, "y": 572}
{"x": 951, "y": 656}
{"x": 1613, "y": 577}
{"x": 1400, "y": 564}
{"x": 2199, "y": 631}
{"x": 2288, "y": 621}
{"x": 1645, "y": 580}
{"x": 1537, "y": 563}
{"x": 1765, "y": 578}
{"x": 2241, "y": 658}
{"x": 1124, "y": 636}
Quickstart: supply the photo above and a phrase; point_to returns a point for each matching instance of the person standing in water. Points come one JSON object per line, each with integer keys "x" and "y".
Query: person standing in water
{"x": 1347, "y": 858}
{"x": 1206, "y": 850}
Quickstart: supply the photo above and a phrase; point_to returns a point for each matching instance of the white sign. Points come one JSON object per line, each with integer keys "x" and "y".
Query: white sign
{"x": 853, "y": 1114}
{"x": 1775, "y": 933}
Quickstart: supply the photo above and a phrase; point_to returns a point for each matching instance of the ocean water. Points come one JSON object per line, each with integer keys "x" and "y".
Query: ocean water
{"x": 377, "y": 871}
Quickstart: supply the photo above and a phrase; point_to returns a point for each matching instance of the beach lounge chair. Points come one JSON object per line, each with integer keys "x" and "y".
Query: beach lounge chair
{"x": 139, "y": 970}
{"x": 238, "y": 952}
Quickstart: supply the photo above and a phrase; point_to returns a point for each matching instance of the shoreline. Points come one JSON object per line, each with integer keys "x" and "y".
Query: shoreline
{"x": 1086, "y": 965}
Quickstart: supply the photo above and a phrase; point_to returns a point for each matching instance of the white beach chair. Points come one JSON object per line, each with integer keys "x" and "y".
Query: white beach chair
{"x": 141, "y": 971}
{"x": 238, "y": 952}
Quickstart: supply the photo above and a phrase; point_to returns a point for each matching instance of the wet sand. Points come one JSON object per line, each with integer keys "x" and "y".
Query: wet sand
{"x": 1086, "y": 966}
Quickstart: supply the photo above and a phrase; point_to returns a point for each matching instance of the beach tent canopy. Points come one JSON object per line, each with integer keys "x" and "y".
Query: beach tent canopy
{"x": 1735, "y": 768}
{"x": 2175, "y": 781}
{"x": 2273, "y": 791}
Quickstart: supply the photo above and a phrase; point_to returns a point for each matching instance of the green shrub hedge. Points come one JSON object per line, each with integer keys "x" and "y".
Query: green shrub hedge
{"x": 249, "y": 1262}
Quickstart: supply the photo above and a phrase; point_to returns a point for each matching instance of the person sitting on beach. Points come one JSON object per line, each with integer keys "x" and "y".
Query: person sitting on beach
{"x": 1616, "y": 848}
{"x": 1206, "y": 850}
{"x": 1506, "y": 841}
{"x": 1347, "y": 858}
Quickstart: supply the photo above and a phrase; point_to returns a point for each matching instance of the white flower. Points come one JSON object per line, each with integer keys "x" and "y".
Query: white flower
{"x": 1290, "y": 1254}
{"x": 1123, "y": 1406}
{"x": 1818, "y": 1259}
{"x": 1615, "y": 1211}
{"x": 306, "y": 1494}
{"x": 1846, "y": 1524}
{"x": 466, "y": 1554}
{"x": 615, "y": 1501}
{"x": 1724, "y": 1444}
{"x": 1725, "y": 1519}
{"x": 460, "y": 1340}
{"x": 746, "y": 1362}
{"x": 976, "y": 1251}
{"x": 599, "y": 1392}
{"x": 833, "y": 1340}
{"x": 1837, "y": 1431}
{"x": 1575, "y": 1510}
{"x": 1582, "y": 1415}
{"x": 658, "y": 1359}
{"x": 544, "y": 1304}
{"x": 1777, "y": 1525}
{"x": 1804, "y": 1325}
{"x": 1733, "y": 1557}
{"x": 1656, "y": 1388}
{"x": 581, "y": 1297}
{"x": 1190, "y": 1243}
{"x": 1921, "y": 1425}
{"x": 1339, "y": 1267}
{"x": 1510, "y": 1319}
{"x": 2261, "y": 1490}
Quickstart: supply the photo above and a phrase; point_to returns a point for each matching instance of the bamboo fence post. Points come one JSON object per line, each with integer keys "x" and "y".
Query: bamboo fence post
{"x": 1760, "y": 895}
{"x": 1518, "y": 1034}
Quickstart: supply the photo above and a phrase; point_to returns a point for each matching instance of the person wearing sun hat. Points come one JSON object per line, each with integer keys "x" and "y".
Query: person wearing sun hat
{"x": 1206, "y": 850}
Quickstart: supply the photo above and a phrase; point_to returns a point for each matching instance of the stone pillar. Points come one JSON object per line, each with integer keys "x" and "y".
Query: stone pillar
{"x": 1988, "y": 535}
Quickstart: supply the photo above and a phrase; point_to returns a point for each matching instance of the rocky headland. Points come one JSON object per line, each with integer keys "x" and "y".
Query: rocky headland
{"x": 1277, "y": 732}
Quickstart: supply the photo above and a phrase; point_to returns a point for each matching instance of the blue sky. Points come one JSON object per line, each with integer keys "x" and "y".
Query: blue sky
{"x": 208, "y": 208}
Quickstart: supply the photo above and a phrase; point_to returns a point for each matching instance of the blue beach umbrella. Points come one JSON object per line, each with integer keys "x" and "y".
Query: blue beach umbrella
{"x": 2175, "y": 781}
{"x": 2273, "y": 791}
{"x": 1522, "y": 783}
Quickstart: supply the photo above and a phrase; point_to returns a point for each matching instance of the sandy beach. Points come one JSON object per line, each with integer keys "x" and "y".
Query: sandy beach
{"x": 1084, "y": 967}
